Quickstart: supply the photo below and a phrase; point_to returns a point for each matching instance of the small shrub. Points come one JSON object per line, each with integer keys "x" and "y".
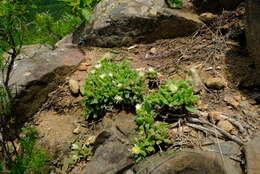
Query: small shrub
{"x": 176, "y": 95}
{"x": 110, "y": 84}
{"x": 31, "y": 158}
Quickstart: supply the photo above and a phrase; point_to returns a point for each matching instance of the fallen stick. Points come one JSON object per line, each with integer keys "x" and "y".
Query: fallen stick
{"x": 204, "y": 129}
{"x": 223, "y": 132}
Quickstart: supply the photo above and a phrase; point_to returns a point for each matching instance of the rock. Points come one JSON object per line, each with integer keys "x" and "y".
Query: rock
{"x": 253, "y": 36}
{"x": 77, "y": 130}
{"x": 64, "y": 42}
{"x": 231, "y": 101}
{"x": 215, "y": 116}
{"x": 188, "y": 162}
{"x": 74, "y": 86}
{"x": 129, "y": 171}
{"x": 228, "y": 148}
{"x": 252, "y": 153}
{"x": 38, "y": 71}
{"x": 215, "y": 5}
{"x": 123, "y": 125}
{"x": 153, "y": 50}
{"x": 216, "y": 83}
{"x": 195, "y": 79}
{"x": 111, "y": 156}
{"x": 207, "y": 17}
{"x": 83, "y": 66}
{"x": 226, "y": 125}
{"x": 117, "y": 23}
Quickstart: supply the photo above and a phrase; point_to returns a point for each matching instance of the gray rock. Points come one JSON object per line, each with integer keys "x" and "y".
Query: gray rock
{"x": 36, "y": 73}
{"x": 228, "y": 148}
{"x": 188, "y": 162}
{"x": 117, "y": 23}
{"x": 252, "y": 152}
{"x": 253, "y": 36}
{"x": 111, "y": 156}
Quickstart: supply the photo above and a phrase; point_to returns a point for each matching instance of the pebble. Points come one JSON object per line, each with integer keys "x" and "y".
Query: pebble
{"x": 226, "y": 125}
{"x": 76, "y": 130}
{"x": 216, "y": 83}
{"x": 215, "y": 116}
{"x": 74, "y": 86}
{"x": 206, "y": 17}
{"x": 231, "y": 102}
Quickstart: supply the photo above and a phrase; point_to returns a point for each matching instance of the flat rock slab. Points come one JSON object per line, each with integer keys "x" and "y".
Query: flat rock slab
{"x": 187, "y": 162}
{"x": 112, "y": 155}
{"x": 37, "y": 73}
{"x": 252, "y": 152}
{"x": 117, "y": 23}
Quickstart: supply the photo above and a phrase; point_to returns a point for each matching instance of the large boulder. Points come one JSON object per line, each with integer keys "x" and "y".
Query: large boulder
{"x": 188, "y": 162}
{"x": 253, "y": 35}
{"x": 252, "y": 153}
{"x": 37, "y": 71}
{"x": 124, "y": 22}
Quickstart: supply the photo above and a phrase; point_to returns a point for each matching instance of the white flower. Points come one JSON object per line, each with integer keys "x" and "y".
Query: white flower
{"x": 102, "y": 76}
{"x": 173, "y": 88}
{"x": 119, "y": 85}
{"x": 118, "y": 98}
{"x": 98, "y": 66}
{"x": 74, "y": 157}
{"x": 141, "y": 74}
{"x": 151, "y": 69}
{"x": 74, "y": 146}
{"x": 110, "y": 74}
{"x": 138, "y": 107}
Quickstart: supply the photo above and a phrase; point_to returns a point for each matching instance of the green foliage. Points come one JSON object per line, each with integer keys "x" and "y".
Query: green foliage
{"x": 13, "y": 19}
{"x": 151, "y": 74}
{"x": 49, "y": 30}
{"x": 110, "y": 84}
{"x": 32, "y": 159}
{"x": 82, "y": 8}
{"x": 175, "y": 95}
{"x": 175, "y": 3}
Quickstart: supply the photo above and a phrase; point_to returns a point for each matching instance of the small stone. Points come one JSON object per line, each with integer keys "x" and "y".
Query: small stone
{"x": 83, "y": 67}
{"x": 252, "y": 101}
{"x": 231, "y": 102}
{"x": 238, "y": 97}
{"x": 201, "y": 105}
{"x": 153, "y": 50}
{"x": 226, "y": 125}
{"x": 74, "y": 86}
{"x": 215, "y": 116}
{"x": 76, "y": 130}
{"x": 216, "y": 83}
{"x": 129, "y": 171}
{"x": 206, "y": 17}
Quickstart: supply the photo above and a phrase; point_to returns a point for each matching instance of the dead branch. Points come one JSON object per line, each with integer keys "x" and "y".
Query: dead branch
{"x": 223, "y": 132}
{"x": 204, "y": 129}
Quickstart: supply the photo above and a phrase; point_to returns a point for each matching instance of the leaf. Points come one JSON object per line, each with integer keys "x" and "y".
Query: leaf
{"x": 86, "y": 13}
{"x": 191, "y": 109}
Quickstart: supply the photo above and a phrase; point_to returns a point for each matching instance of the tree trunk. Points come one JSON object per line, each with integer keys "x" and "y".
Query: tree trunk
{"x": 253, "y": 35}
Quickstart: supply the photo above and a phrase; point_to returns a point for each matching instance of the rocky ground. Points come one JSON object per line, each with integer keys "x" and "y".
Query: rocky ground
{"x": 214, "y": 58}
